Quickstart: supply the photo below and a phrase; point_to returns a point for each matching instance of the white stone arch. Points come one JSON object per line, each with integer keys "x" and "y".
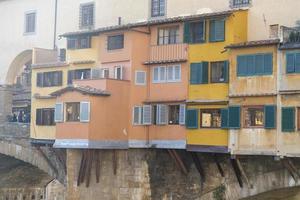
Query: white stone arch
{"x": 17, "y": 64}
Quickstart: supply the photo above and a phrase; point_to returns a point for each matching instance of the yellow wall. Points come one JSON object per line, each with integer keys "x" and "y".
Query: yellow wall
{"x": 235, "y": 32}
{"x": 47, "y": 132}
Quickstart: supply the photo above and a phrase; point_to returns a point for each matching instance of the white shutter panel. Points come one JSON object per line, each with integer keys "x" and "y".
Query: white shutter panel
{"x": 84, "y": 111}
{"x": 162, "y": 114}
{"x": 147, "y": 114}
{"x": 177, "y": 72}
{"x": 182, "y": 114}
{"x": 137, "y": 115}
{"x": 59, "y": 112}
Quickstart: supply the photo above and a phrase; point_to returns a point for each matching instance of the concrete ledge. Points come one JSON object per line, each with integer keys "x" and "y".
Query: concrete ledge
{"x": 88, "y": 144}
{"x": 158, "y": 144}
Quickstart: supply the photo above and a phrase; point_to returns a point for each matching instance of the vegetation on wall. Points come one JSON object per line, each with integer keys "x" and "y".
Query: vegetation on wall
{"x": 219, "y": 193}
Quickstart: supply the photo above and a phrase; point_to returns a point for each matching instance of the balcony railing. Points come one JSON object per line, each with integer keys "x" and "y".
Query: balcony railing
{"x": 168, "y": 52}
{"x": 291, "y": 34}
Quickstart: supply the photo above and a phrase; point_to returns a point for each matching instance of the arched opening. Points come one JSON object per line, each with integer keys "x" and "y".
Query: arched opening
{"x": 19, "y": 77}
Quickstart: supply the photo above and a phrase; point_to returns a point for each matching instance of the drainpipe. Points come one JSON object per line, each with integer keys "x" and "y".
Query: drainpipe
{"x": 279, "y": 75}
{"x": 55, "y": 23}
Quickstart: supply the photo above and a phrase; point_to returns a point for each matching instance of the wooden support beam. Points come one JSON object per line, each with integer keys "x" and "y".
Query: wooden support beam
{"x": 291, "y": 163}
{"x": 85, "y": 154}
{"x": 173, "y": 157}
{"x": 115, "y": 161}
{"x": 80, "y": 169}
{"x": 198, "y": 165}
{"x": 237, "y": 172}
{"x": 97, "y": 154}
{"x": 290, "y": 170}
{"x": 180, "y": 162}
{"x": 243, "y": 173}
{"x": 89, "y": 167}
{"x": 47, "y": 160}
{"x": 217, "y": 161}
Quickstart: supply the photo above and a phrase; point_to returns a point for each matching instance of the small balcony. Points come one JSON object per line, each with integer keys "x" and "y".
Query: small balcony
{"x": 168, "y": 53}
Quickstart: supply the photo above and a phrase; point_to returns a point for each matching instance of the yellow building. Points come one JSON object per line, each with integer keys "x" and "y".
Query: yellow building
{"x": 209, "y": 77}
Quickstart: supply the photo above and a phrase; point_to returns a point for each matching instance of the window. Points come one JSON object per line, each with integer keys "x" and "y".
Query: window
{"x": 115, "y": 42}
{"x": 211, "y": 118}
{"x": 292, "y": 63}
{"x": 217, "y": 30}
{"x": 30, "y": 22}
{"x": 219, "y": 72}
{"x": 254, "y": 117}
{"x": 79, "y": 74}
{"x": 192, "y": 118}
{"x": 49, "y": 79}
{"x": 84, "y": 111}
{"x": 140, "y": 78}
{"x": 59, "y": 112}
{"x": 83, "y": 42}
{"x": 166, "y": 74}
{"x": 174, "y": 114}
{"x": 137, "y": 115}
{"x": 119, "y": 72}
{"x": 62, "y": 55}
{"x": 86, "y": 15}
{"x": 169, "y": 35}
{"x": 199, "y": 73}
{"x": 72, "y": 112}
{"x": 105, "y": 73}
{"x": 45, "y": 117}
{"x": 158, "y": 8}
{"x": 288, "y": 119}
{"x": 258, "y": 64}
{"x": 197, "y": 32}
{"x": 240, "y": 3}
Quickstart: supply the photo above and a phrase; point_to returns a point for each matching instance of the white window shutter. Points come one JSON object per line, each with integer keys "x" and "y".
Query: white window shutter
{"x": 177, "y": 72}
{"x": 140, "y": 78}
{"x": 182, "y": 114}
{"x": 96, "y": 73}
{"x": 162, "y": 117}
{"x": 59, "y": 112}
{"x": 84, "y": 111}
{"x": 137, "y": 115}
{"x": 147, "y": 114}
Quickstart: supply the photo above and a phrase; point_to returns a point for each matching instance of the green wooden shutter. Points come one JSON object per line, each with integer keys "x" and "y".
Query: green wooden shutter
{"x": 268, "y": 64}
{"x": 297, "y": 63}
{"x": 259, "y": 64}
{"x": 191, "y": 118}
{"x": 212, "y": 31}
{"x": 224, "y": 118}
{"x": 250, "y": 65}
{"x": 288, "y": 119}
{"x": 270, "y": 116}
{"x": 234, "y": 117}
{"x": 290, "y": 63}
{"x": 241, "y": 65}
{"x": 204, "y": 74}
{"x": 226, "y": 71}
{"x": 194, "y": 73}
{"x": 217, "y": 30}
{"x": 39, "y": 79}
{"x": 187, "y": 35}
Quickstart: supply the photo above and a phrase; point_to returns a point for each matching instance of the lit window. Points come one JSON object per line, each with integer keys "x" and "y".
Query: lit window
{"x": 211, "y": 118}
{"x": 254, "y": 116}
{"x": 73, "y": 112}
{"x": 158, "y": 8}
{"x": 30, "y": 22}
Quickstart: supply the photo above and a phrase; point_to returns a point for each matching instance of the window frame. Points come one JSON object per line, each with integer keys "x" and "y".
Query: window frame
{"x": 42, "y": 114}
{"x": 245, "y": 109}
{"x": 166, "y": 38}
{"x": 210, "y": 111}
{"x": 25, "y": 22}
{"x": 211, "y": 71}
{"x": 70, "y": 80}
{"x": 166, "y": 78}
{"x": 113, "y": 47}
{"x": 169, "y": 113}
{"x": 234, "y": 3}
{"x": 66, "y": 107}
{"x": 145, "y": 77}
{"x": 294, "y": 54}
{"x": 52, "y": 83}
{"x": 89, "y": 111}
{"x": 192, "y": 34}
{"x": 78, "y": 42}
{"x": 81, "y": 6}
{"x": 140, "y": 116}
{"x": 159, "y": 13}
{"x": 210, "y": 30}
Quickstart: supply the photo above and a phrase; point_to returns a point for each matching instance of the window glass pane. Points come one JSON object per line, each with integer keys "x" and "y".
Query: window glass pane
{"x": 254, "y": 117}
{"x": 162, "y": 73}
{"x": 87, "y": 15}
{"x": 169, "y": 35}
{"x": 217, "y": 72}
{"x": 157, "y": 8}
{"x": 174, "y": 114}
{"x": 115, "y": 42}
{"x": 155, "y": 74}
{"x": 140, "y": 78}
{"x": 30, "y": 22}
{"x": 197, "y": 32}
{"x": 177, "y": 73}
{"x": 170, "y": 72}
{"x": 137, "y": 114}
{"x": 73, "y": 112}
{"x": 45, "y": 117}
{"x": 211, "y": 118}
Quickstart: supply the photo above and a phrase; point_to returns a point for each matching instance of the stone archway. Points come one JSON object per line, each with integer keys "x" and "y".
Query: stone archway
{"x": 16, "y": 65}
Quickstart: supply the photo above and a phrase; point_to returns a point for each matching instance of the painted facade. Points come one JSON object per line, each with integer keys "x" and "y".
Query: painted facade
{"x": 209, "y": 96}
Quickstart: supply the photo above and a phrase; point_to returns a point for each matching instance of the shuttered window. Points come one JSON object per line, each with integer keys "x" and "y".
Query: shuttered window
{"x": 30, "y": 22}
{"x": 234, "y": 113}
{"x": 59, "y": 112}
{"x": 192, "y": 118}
{"x": 86, "y": 15}
{"x": 194, "y": 32}
{"x": 140, "y": 77}
{"x": 162, "y": 114}
{"x": 182, "y": 114}
{"x": 217, "y": 30}
{"x": 84, "y": 111}
{"x": 137, "y": 115}
{"x": 224, "y": 118}
{"x": 270, "y": 116}
{"x": 288, "y": 119}
{"x": 256, "y": 64}
{"x": 292, "y": 63}
{"x": 147, "y": 114}
{"x": 49, "y": 79}
{"x": 199, "y": 73}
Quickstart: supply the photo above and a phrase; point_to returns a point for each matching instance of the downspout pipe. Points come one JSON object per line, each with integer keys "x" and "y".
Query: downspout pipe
{"x": 55, "y": 24}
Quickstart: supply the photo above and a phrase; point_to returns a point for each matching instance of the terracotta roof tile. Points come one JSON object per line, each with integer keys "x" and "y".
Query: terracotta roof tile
{"x": 253, "y": 43}
{"x": 82, "y": 89}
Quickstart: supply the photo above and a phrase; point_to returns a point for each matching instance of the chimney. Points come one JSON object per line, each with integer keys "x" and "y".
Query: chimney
{"x": 119, "y": 21}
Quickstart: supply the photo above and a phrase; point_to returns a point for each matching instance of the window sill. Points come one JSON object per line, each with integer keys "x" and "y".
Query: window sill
{"x": 29, "y": 33}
